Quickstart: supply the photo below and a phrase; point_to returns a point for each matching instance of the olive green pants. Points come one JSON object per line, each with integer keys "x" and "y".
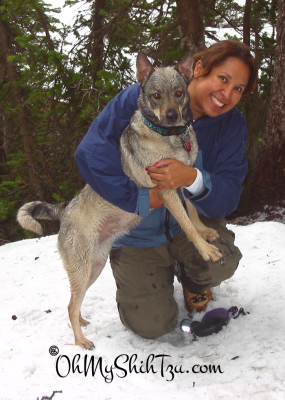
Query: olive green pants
{"x": 144, "y": 278}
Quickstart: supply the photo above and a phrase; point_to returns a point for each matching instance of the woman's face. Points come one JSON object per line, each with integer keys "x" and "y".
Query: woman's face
{"x": 219, "y": 91}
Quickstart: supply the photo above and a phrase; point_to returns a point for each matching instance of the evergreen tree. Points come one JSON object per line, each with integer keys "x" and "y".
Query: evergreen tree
{"x": 52, "y": 90}
{"x": 269, "y": 183}
{"x": 35, "y": 82}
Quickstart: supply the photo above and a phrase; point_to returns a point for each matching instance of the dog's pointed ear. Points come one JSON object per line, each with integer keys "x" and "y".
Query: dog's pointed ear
{"x": 185, "y": 66}
{"x": 144, "y": 67}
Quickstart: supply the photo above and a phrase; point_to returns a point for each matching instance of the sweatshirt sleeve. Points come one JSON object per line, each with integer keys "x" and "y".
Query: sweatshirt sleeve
{"x": 222, "y": 178}
{"x": 99, "y": 159}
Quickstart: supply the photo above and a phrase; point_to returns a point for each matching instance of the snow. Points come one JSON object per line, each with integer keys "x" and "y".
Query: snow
{"x": 246, "y": 360}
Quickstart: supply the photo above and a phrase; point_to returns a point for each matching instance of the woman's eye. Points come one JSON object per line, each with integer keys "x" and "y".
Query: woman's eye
{"x": 239, "y": 89}
{"x": 178, "y": 93}
{"x": 156, "y": 96}
{"x": 223, "y": 78}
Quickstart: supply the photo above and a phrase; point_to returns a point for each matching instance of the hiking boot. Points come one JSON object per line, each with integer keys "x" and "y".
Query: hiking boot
{"x": 196, "y": 302}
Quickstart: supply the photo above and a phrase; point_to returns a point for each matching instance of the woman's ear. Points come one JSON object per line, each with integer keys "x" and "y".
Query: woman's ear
{"x": 198, "y": 68}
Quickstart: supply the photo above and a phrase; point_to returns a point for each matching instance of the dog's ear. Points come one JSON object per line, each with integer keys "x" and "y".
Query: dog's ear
{"x": 144, "y": 67}
{"x": 185, "y": 66}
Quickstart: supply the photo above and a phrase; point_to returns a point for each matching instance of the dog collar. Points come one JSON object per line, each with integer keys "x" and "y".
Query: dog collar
{"x": 176, "y": 130}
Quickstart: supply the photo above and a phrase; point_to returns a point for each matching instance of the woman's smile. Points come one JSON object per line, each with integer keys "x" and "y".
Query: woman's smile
{"x": 216, "y": 101}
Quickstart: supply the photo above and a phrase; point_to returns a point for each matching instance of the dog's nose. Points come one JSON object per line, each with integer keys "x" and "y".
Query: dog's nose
{"x": 172, "y": 116}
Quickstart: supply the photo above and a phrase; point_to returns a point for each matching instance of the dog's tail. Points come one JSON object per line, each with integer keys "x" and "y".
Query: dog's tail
{"x": 29, "y": 213}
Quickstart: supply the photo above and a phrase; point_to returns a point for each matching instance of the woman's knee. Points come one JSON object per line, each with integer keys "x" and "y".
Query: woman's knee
{"x": 150, "y": 319}
{"x": 199, "y": 275}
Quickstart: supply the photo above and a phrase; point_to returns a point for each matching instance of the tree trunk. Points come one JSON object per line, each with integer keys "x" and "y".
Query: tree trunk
{"x": 191, "y": 25}
{"x": 246, "y": 22}
{"x": 97, "y": 39}
{"x": 19, "y": 105}
{"x": 269, "y": 182}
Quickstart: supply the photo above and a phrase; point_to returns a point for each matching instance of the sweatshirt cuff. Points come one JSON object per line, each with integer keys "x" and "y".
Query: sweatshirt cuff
{"x": 205, "y": 190}
{"x": 143, "y": 206}
{"x": 197, "y": 185}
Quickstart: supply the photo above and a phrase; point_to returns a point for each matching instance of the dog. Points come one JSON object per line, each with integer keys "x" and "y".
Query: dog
{"x": 89, "y": 224}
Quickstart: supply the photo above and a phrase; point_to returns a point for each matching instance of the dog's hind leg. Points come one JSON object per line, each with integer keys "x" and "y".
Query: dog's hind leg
{"x": 78, "y": 287}
{"x": 74, "y": 316}
{"x": 97, "y": 267}
{"x": 83, "y": 262}
{"x": 82, "y": 321}
{"x": 84, "y": 253}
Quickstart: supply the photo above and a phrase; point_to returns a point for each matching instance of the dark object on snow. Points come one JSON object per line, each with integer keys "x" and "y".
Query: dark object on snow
{"x": 50, "y": 397}
{"x": 212, "y": 322}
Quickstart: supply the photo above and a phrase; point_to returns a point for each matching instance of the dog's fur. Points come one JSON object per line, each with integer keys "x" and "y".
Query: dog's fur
{"x": 89, "y": 224}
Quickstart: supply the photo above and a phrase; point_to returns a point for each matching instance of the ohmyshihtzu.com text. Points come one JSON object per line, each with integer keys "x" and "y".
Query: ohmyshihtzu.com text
{"x": 124, "y": 365}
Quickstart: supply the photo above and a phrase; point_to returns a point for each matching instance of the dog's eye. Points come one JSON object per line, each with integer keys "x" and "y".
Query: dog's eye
{"x": 178, "y": 93}
{"x": 156, "y": 95}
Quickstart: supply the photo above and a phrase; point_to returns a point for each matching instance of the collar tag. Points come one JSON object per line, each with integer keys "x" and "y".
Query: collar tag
{"x": 188, "y": 146}
{"x": 186, "y": 139}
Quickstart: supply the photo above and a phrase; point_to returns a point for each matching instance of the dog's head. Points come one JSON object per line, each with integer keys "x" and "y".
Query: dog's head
{"x": 164, "y": 99}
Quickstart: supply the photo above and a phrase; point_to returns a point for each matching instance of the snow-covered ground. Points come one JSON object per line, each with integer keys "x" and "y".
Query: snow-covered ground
{"x": 246, "y": 360}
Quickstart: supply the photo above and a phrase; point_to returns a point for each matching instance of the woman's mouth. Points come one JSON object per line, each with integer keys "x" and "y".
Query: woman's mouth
{"x": 216, "y": 101}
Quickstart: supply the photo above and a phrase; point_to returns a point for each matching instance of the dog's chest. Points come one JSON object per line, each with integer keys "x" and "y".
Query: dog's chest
{"x": 141, "y": 148}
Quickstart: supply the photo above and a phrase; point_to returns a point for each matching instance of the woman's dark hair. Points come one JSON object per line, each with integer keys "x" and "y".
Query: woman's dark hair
{"x": 219, "y": 52}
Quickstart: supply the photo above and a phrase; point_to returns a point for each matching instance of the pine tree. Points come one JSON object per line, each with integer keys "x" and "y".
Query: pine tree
{"x": 51, "y": 91}
{"x": 32, "y": 72}
{"x": 269, "y": 183}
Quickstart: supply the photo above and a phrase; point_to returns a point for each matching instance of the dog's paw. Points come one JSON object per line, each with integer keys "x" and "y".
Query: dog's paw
{"x": 85, "y": 344}
{"x": 210, "y": 235}
{"x": 210, "y": 252}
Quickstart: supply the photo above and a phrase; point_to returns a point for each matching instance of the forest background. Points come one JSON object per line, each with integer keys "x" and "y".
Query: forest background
{"x": 52, "y": 87}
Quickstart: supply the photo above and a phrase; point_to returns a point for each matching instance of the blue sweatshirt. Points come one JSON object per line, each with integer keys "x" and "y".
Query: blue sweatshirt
{"x": 221, "y": 159}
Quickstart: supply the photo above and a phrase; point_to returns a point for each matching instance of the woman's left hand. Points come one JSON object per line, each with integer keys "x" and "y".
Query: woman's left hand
{"x": 172, "y": 174}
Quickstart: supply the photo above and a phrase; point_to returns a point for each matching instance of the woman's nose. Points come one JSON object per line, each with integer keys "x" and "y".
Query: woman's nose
{"x": 227, "y": 92}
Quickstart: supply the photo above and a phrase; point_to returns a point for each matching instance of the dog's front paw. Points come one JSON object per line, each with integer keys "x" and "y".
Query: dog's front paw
{"x": 210, "y": 252}
{"x": 210, "y": 235}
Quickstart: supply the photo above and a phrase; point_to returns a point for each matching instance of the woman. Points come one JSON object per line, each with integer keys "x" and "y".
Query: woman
{"x": 144, "y": 261}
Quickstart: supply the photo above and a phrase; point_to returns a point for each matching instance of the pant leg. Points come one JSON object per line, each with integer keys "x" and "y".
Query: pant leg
{"x": 198, "y": 275}
{"x": 144, "y": 278}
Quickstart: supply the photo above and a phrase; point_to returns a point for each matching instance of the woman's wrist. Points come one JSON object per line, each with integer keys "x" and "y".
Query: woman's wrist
{"x": 191, "y": 176}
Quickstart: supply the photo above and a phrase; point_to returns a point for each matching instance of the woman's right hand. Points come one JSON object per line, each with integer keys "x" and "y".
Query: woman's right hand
{"x": 154, "y": 200}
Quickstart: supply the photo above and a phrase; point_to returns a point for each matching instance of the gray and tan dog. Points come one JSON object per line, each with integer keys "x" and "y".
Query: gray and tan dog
{"x": 90, "y": 224}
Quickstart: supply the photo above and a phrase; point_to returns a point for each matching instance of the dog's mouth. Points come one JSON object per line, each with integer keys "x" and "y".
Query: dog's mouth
{"x": 178, "y": 124}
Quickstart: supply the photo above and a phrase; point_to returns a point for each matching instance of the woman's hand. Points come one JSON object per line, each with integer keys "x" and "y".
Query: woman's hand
{"x": 171, "y": 174}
